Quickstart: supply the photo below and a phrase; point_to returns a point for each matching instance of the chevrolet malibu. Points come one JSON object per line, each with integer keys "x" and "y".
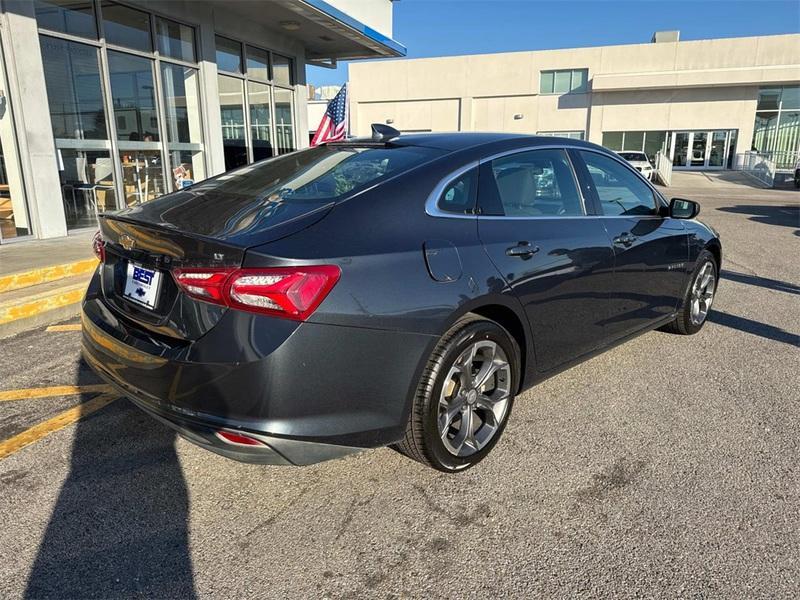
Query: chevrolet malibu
{"x": 393, "y": 290}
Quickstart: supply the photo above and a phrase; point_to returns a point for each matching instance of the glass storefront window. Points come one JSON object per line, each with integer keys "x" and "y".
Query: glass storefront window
{"x": 87, "y": 185}
{"x": 634, "y": 140}
{"x": 181, "y": 90}
{"x": 14, "y": 216}
{"x": 133, "y": 97}
{"x": 75, "y": 17}
{"x": 284, "y": 122}
{"x": 282, "y": 70}
{"x": 764, "y": 131}
{"x": 790, "y": 98}
{"x": 258, "y": 98}
{"x": 257, "y": 63}
{"x": 788, "y": 133}
{"x": 653, "y": 142}
{"x": 231, "y": 106}
{"x": 127, "y": 27}
{"x": 777, "y": 131}
{"x": 229, "y": 55}
{"x": 612, "y": 140}
{"x": 175, "y": 40}
{"x": 72, "y": 77}
{"x": 142, "y": 175}
{"x": 768, "y": 99}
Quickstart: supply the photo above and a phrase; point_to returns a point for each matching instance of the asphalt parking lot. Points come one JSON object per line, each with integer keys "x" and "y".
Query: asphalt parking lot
{"x": 667, "y": 467}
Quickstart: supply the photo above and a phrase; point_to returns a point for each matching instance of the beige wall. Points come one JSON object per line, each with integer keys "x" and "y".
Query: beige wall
{"x": 705, "y": 84}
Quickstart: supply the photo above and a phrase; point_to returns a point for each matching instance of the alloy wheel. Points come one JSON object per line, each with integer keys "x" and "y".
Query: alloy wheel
{"x": 474, "y": 399}
{"x": 702, "y": 293}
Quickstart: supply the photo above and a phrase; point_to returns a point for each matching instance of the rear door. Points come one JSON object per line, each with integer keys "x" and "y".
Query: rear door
{"x": 556, "y": 259}
{"x": 651, "y": 251}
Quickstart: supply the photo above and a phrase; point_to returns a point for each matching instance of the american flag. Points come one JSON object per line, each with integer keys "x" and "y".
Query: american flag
{"x": 334, "y": 123}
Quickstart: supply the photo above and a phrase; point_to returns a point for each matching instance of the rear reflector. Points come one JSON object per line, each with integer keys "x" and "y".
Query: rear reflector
{"x": 238, "y": 439}
{"x": 291, "y": 292}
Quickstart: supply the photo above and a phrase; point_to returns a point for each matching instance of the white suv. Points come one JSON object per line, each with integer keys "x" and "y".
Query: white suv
{"x": 640, "y": 161}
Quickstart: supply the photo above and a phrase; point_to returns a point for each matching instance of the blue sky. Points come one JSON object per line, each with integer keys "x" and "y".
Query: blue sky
{"x": 448, "y": 27}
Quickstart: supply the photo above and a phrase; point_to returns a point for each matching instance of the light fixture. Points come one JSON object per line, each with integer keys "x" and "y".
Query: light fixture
{"x": 389, "y": 121}
{"x": 290, "y": 25}
{"x": 518, "y": 116}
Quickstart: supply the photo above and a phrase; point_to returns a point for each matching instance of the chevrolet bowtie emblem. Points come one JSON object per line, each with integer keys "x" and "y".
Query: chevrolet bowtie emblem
{"x": 126, "y": 242}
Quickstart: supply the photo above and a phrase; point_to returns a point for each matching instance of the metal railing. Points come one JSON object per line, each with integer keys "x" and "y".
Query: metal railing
{"x": 663, "y": 168}
{"x": 758, "y": 165}
{"x": 784, "y": 160}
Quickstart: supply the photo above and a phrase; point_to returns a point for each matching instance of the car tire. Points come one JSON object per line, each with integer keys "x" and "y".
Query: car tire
{"x": 438, "y": 433}
{"x": 698, "y": 297}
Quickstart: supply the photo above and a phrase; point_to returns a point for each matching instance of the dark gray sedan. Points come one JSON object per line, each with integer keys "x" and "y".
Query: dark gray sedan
{"x": 398, "y": 290}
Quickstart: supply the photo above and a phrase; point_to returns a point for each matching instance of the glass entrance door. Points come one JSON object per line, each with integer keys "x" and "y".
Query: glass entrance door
{"x": 680, "y": 148}
{"x": 699, "y": 140}
{"x": 700, "y": 149}
{"x": 717, "y": 153}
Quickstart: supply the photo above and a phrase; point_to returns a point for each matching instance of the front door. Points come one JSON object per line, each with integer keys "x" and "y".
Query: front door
{"x": 556, "y": 259}
{"x": 651, "y": 251}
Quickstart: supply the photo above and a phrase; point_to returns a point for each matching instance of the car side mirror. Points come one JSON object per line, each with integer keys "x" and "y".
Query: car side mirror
{"x": 680, "y": 208}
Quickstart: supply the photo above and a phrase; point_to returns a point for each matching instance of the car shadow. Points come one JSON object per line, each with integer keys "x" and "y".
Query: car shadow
{"x": 769, "y": 332}
{"x": 787, "y": 215}
{"x": 771, "y": 284}
{"x": 119, "y": 526}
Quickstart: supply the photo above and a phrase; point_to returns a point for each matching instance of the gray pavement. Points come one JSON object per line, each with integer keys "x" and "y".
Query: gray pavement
{"x": 668, "y": 467}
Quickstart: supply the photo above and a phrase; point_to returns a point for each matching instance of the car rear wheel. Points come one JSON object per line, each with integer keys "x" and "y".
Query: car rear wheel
{"x": 698, "y": 297}
{"x": 464, "y": 398}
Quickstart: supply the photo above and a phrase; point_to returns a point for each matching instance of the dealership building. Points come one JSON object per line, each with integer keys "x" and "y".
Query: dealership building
{"x": 107, "y": 104}
{"x": 706, "y": 104}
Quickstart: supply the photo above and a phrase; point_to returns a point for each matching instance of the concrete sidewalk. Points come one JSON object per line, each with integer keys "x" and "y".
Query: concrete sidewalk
{"x": 27, "y": 256}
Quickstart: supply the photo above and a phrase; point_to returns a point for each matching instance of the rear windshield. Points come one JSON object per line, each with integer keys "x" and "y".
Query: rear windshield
{"x": 633, "y": 156}
{"x": 320, "y": 174}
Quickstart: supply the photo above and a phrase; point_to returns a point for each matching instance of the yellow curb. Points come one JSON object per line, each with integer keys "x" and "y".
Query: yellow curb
{"x": 16, "y": 281}
{"x": 46, "y": 392}
{"x": 37, "y": 304}
{"x": 45, "y": 428}
{"x": 57, "y": 328}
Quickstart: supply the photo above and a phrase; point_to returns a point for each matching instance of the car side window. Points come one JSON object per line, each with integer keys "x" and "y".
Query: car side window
{"x": 458, "y": 196}
{"x": 620, "y": 190}
{"x": 531, "y": 184}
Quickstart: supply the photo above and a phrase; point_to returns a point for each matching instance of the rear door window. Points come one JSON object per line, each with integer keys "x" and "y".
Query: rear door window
{"x": 621, "y": 191}
{"x": 535, "y": 183}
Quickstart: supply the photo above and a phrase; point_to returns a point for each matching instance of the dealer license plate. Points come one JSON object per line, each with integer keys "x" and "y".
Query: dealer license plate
{"x": 141, "y": 285}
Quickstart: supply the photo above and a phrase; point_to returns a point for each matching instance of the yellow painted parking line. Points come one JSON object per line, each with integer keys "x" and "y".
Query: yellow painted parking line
{"x": 49, "y": 392}
{"x": 55, "y": 328}
{"x": 45, "y": 428}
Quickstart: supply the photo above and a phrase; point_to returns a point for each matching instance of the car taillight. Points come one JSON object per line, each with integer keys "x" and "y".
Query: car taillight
{"x": 99, "y": 247}
{"x": 291, "y": 292}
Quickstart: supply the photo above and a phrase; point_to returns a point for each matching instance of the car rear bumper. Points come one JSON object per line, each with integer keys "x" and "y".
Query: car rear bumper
{"x": 307, "y": 391}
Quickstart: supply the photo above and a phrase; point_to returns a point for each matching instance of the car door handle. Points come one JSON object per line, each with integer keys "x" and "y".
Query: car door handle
{"x": 626, "y": 240}
{"x": 522, "y": 250}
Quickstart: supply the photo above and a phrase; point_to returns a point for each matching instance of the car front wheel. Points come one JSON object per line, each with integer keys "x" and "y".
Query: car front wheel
{"x": 698, "y": 297}
{"x": 464, "y": 398}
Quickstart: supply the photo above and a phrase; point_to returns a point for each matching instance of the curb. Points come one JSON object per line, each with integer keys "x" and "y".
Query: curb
{"x": 23, "y": 279}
